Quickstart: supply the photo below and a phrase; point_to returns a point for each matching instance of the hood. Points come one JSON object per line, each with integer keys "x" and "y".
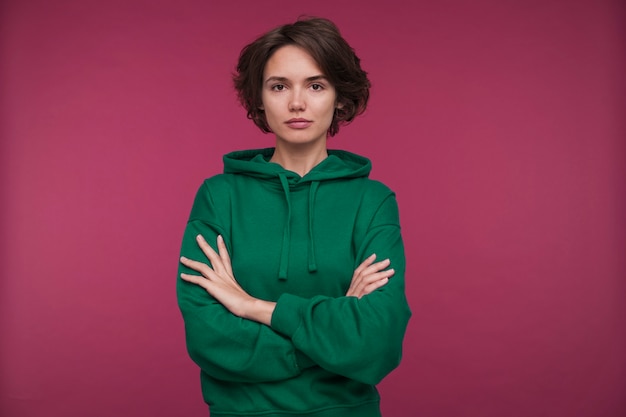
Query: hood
{"x": 255, "y": 163}
{"x": 338, "y": 165}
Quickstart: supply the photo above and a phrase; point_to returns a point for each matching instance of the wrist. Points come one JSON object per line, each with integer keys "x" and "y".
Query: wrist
{"x": 259, "y": 310}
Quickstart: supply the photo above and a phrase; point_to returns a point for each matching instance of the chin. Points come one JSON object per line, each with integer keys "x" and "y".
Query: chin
{"x": 300, "y": 139}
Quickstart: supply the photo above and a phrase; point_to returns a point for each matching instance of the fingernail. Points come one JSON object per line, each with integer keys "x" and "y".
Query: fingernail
{"x": 183, "y": 259}
{"x": 219, "y": 238}
{"x": 199, "y": 237}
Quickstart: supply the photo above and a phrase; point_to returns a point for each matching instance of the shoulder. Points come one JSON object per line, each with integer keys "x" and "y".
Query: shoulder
{"x": 217, "y": 185}
{"x": 218, "y": 180}
{"x": 377, "y": 188}
{"x": 375, "y": 193}
{"x": 375, "y": 200}
{"x": 213, "y": 197}
{"x": 377, "y": 207}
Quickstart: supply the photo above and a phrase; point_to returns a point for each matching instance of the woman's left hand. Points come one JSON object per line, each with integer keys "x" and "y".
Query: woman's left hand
{"x": 219, "y": 280}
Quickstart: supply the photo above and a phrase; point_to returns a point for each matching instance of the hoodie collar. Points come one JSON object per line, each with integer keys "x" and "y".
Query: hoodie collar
{"x": 255, "y": 163}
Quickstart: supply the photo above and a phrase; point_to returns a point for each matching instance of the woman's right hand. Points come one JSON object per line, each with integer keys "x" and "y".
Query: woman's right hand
{"x": 369, "y": 276}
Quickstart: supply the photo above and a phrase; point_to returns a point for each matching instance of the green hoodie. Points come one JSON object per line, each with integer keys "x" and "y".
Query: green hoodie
{"x": 297, "y": 241}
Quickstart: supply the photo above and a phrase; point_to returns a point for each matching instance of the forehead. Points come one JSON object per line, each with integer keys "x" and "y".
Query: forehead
{"x": 291, "y": 61}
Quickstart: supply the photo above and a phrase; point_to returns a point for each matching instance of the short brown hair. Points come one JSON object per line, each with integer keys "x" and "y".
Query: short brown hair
{"x": 322, "y": 40}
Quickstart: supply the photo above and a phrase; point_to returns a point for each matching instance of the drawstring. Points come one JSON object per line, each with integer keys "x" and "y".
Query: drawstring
{"x": 284, "y": 255}
{"x": 312, "y": 191}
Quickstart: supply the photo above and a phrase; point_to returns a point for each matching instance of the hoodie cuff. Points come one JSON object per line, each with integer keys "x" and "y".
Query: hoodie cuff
{"x": 286, "y": 320}
{"x": 303, "y": 361}
{"x": 287, "y": 313}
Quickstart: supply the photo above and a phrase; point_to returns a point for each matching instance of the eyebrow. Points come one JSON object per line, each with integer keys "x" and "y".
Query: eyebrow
{"x": 285, "y": 79}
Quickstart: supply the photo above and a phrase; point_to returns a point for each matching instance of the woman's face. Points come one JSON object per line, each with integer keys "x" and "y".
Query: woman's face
{"x": 298, "y": 100}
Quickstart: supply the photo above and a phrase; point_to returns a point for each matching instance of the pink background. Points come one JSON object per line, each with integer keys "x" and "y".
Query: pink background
{"x": 499, "y": 124}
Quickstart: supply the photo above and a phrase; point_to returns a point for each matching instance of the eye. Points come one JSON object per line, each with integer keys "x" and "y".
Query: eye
{"x": 278, "y": 87}
{"x": 317, "y": 87}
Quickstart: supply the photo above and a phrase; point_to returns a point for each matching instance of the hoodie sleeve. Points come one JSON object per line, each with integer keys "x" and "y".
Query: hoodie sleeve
{"x": 224, "y": 346}
{"x": 358, "y": 338}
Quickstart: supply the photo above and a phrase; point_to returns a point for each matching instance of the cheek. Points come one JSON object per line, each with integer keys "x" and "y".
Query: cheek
{"x": 328, "y": 109}
{"x": 272, "y": 114}
{"x": 270, "y": 105}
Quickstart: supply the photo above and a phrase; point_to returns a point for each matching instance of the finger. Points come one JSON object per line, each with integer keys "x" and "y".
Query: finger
{"x": 365, "y": 280}
{"x": 201, "y": 267}
{"x": 371, "y": 274}
{"x": 378, "y": 276}
{"x": 377, "y": 267}
{"x": 374, "y": 286}
{"x": 216, "y": 261}
{"x": 367, "y": 288}
{"x": 195, "y": 279}
{"x": 373, "y": 282}
{"x": 223, "y": 252}
{"x": 367, "y": 262}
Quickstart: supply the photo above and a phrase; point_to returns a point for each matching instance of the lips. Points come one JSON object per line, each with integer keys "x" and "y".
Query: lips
{"x": 298, "y": 123}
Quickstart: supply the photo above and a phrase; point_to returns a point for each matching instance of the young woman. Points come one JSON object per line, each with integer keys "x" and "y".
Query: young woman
{"x": 292, "y": 264}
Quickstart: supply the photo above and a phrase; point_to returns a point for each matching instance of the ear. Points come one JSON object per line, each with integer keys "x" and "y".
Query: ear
{"x": 339, "y": 105}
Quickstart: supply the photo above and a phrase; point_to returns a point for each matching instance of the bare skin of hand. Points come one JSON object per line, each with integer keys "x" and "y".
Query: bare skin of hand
{"x": 369, "y": 276}
{"x": 220, "y": 282}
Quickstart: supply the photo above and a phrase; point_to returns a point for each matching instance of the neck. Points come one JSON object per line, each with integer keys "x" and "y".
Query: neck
{"x": 299, "y": 159}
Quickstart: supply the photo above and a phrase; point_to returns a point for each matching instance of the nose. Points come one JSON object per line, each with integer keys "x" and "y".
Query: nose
{"x": 297, "y": 101}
